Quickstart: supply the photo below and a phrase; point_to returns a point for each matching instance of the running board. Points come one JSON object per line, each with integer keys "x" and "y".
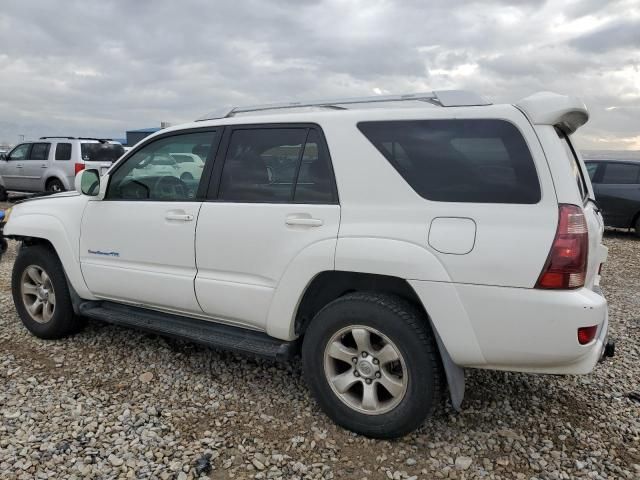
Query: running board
{"x": 207, "y": 333}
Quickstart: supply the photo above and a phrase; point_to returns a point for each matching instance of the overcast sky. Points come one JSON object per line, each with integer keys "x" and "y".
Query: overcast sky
{"x": 101, "y": 67}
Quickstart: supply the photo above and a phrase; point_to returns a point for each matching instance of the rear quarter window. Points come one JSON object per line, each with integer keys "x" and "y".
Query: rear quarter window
{"x": 475, "y": 160}
{"x": 101, "y": 152}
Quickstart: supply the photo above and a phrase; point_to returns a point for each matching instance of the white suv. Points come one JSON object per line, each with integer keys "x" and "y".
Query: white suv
{"x": 391, "y": 241}
{"x": 51, "y": 163}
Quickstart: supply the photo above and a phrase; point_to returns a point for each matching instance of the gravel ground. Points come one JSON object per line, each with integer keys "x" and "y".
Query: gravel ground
{"x": 115, "y": 403}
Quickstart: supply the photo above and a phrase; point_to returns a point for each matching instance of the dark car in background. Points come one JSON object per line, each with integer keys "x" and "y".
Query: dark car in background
{"x": 616, "y": 184}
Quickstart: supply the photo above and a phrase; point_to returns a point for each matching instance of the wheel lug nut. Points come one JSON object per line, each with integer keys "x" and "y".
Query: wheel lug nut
{"x": 378, "y": 375}
{"x": 364, "y": 354}
{"x": 356, "y": 373}
{"x": 368, "y": 380}
{"x": 376, "y": 361}
{"x": 354, "y": 359}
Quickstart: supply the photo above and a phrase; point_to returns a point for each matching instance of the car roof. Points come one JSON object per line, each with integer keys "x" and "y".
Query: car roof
{"x": 544, "y": 108}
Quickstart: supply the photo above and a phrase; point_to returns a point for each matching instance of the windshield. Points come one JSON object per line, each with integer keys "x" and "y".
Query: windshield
{"x": 101, "y": 152}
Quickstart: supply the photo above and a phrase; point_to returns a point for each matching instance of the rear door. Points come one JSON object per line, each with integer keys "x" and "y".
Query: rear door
{"x": 35, "y": 167}
{"x": 272, "y": 195}
{"x": 617, "y": 189}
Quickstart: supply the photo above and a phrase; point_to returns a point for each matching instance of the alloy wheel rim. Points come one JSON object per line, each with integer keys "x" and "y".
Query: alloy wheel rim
{"x": 365, "y": 370}
{"x": 38, "y": 295}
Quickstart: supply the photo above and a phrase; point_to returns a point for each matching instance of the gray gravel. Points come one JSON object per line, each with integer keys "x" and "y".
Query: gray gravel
{"x": 115, "y": 403}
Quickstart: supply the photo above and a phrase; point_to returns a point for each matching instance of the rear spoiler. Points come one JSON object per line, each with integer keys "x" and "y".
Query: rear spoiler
{"x": 562, "y": 111}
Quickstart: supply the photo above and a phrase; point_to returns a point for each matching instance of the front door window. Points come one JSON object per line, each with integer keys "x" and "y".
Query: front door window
{"x": 156, "y": 172}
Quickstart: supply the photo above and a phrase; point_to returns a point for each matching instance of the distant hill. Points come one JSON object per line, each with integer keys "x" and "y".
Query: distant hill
{"x": 611, "y": 154}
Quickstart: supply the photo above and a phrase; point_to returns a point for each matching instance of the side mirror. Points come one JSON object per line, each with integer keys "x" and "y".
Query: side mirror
{"x": 3, "y": 156}
{"x": 88, "y": 182}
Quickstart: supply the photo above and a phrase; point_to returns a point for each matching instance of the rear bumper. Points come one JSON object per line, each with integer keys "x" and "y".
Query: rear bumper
{"x": 527, "y": 330}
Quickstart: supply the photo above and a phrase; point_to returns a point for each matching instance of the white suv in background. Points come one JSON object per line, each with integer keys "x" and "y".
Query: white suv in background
{"x": 51, "y": 163}
{"x": 391, "y": 241}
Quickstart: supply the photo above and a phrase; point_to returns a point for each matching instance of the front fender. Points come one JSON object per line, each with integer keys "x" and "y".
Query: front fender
{"x": 50, "y": 228}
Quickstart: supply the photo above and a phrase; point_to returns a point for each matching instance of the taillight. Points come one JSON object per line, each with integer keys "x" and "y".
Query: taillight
{"x": 79, "y": 167}
{"x": 566, "y": 266}
{"x": 586, "y": 334}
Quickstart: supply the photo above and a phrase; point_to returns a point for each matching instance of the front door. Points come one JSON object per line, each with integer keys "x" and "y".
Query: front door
{"x": 272, "y": 201}
{"x": 137, "y": 245}
{"x": 12, "y": 170}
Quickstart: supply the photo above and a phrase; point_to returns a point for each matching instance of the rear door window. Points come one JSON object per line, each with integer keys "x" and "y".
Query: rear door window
{"x": 482, "y": 161}
{"x": 40, "y": 151}
{"x": 621, "y": 174}
{"x": 277, "y": 165}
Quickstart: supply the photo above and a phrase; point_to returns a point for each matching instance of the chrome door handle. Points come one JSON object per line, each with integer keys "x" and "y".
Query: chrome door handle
{"x": 19, "y": 166}
{"x": 43, "y": 166}
{"x": 179, "y": 217}
{"x": 304, "y": 221}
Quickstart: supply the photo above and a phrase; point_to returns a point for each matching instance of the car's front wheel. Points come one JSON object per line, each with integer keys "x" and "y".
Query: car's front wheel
{"x": 4, "y": 195}
{"x": 372, "y": 363}
{"x": 41, "y": 294}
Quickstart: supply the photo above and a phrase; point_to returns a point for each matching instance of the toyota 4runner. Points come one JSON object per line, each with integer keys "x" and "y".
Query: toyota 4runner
{"x": 392, "y": 242}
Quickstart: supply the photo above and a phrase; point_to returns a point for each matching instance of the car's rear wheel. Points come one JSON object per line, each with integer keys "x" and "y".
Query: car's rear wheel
{"x": 372, "y": 364}
{"x": 41, "y": 294}
{"x": 55, "y": 186}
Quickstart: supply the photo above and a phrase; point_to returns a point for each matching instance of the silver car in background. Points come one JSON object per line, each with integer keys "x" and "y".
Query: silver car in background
{"x": 50, "y": 164}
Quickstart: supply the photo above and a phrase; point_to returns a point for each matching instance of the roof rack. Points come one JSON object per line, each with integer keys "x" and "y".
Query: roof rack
{"x": 441, "y": 98}
{"x": 79, "y": 138}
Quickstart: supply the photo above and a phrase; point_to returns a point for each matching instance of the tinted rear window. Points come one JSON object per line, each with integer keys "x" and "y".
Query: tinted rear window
{"x": 101, "y": 152}
{"x": 621, "y": 174}
{"x": 483, "y": 161}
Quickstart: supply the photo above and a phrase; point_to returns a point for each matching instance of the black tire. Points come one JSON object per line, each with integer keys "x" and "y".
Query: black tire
{"x": 4, "y": 195}
{"x": 405, "y": 326}
{"x": 63, "y": 322}
{"x": 637, "y": 227}
{"x": 55, "y": 186}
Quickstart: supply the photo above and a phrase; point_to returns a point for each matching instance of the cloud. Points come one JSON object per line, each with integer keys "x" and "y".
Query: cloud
{"x": 623, "y": 34}
{"x": 99, "y": 68}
